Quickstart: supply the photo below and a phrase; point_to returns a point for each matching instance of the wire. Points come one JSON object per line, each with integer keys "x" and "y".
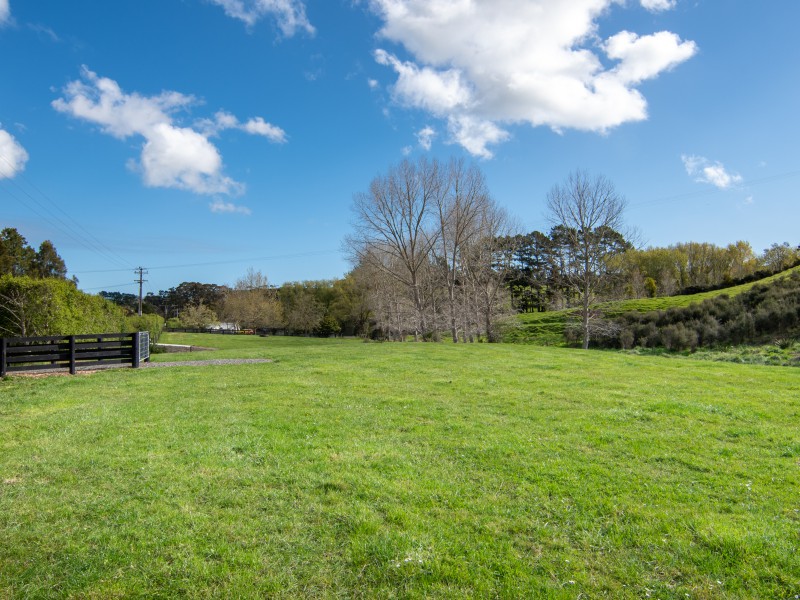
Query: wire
{"x": 108, "y": 287}
{"x": 705, "y": 192}
{"x": 222, "y": 262}
{"x": 87, "y": 239}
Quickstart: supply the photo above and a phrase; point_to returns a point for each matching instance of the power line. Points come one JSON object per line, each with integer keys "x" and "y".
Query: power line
{"x": 221, "y": 262}
{"x": 109, "y": 287}
{"x": 705, "y": 192}
{"x": 86, "y": 239}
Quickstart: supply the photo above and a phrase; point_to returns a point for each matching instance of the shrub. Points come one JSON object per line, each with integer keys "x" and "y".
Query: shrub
{"x": 627, "y": 339}
{"x": 679, "y": 337}
{"x": 154, "y": 324}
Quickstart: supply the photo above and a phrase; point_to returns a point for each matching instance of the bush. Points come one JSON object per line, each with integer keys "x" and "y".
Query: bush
{"x": 679, "y": 337}
{"x": 154, "y": 324}
{"x": 627, "y": 339}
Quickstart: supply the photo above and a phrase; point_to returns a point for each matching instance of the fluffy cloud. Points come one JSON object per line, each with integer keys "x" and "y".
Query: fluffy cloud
{"x": 172, "y": 156}
{"x": 5, "y": 12}
{"x": 484, "y": 64}
{"x": 290, "y": 15}
{"x": 256, "y": 126}
{"x": 706, "y": 171}
{"x": 12, "y": 156}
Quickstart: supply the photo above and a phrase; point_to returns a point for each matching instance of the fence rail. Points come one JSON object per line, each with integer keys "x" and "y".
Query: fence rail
{"x": 73, "y": 351}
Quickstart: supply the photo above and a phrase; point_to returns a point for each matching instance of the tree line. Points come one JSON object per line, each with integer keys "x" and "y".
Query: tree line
{"x": 323, "y": 307}
{"x": 538, "y": 282}
{"x": 433, "y": 254}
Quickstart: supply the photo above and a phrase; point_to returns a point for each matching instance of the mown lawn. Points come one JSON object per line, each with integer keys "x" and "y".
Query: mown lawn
{"x": 347, "y": 469}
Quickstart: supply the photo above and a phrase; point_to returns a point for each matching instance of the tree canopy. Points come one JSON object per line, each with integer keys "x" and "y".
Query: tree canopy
{"x": 19, "y": 259}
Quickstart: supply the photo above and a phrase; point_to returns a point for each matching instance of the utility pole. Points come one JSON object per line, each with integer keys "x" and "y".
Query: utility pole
{"x": 141, "y": 272}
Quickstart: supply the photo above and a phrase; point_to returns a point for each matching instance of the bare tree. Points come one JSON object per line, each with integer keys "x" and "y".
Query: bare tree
{"x": 21, "y": 311}
{"x": 391, "y": 227}
{"x": 458, "y": 213}
{"x": 589, "y": 209}
{"x": 487, "y": 260}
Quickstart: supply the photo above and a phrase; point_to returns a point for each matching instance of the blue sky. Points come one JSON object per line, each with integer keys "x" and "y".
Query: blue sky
{"x": 198, "y": 138}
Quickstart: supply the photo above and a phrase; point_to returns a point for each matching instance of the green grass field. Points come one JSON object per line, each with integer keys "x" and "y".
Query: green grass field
{"x": 547, "y": 328}
{"x": 366, "y": 470}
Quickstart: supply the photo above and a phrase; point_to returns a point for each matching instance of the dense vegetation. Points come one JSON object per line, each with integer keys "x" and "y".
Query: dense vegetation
{"x": 365, "y": 470}
{"x": 762, "y": 314}
{"x": 38, "y": 307}
{"x": 34, "y": 307}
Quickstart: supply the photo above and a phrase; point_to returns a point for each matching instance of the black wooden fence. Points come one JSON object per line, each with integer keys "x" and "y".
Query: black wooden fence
{"x": 73, "y": 351}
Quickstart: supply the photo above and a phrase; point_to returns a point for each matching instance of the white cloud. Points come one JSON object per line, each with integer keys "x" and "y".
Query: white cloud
{"x": 12, "y": 156}
{"x": 425, "y": 137}
{"x": 290, "y": 15}
{"x": 372, "y": 83}
{"x": 172, "y": 156}
{"x": 258, "y": 126}
{"x": 706, "y": 171}
{"x": 5, "y": 12}
{"x": 658, "y": 5}
{"x": 475, "y": 134}
{"x": 645, "y": 57}
{"x": 219, "y": 206}
{"x": 255, "y": 126}
{"x": 485, "y": 64}
{"x": 438, "y": 92}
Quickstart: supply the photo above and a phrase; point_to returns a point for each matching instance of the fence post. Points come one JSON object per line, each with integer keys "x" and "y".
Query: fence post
{"x": 135, "y": 359}
{"x": 72, "y": 368}
{"x": 3, "y": 346}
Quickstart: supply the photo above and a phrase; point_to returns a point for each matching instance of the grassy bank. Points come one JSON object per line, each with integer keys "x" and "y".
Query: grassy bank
{"x": 402, "y": 470}
{"x": 547, "y": 328}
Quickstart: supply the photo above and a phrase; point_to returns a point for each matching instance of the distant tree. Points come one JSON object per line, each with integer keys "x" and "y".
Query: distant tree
{"x": 350, "y": 304}
{"x": 589, "y": 209}
{"x": 47, "y": 262}
{"x": 742, "y": 261}
{"x": 303, "y": 305}
{"x": 487, "y": 259}
{"x": 189, "y": 293}
{"x": 200, "y": 316}
{"x": 128, "y": 301}
{"x": 16, "y": 257}
{"x": 392, "y": 228}
{"x": 780, "y": 256}
{"x": 459, "y": 207}
{"x": 253, "y": 303}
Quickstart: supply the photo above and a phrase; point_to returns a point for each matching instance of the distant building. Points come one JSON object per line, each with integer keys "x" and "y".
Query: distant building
{"x": 223, "y": 327}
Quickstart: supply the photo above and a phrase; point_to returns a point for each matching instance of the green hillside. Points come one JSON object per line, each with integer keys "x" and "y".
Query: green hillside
{"x": 547, "y": 328}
